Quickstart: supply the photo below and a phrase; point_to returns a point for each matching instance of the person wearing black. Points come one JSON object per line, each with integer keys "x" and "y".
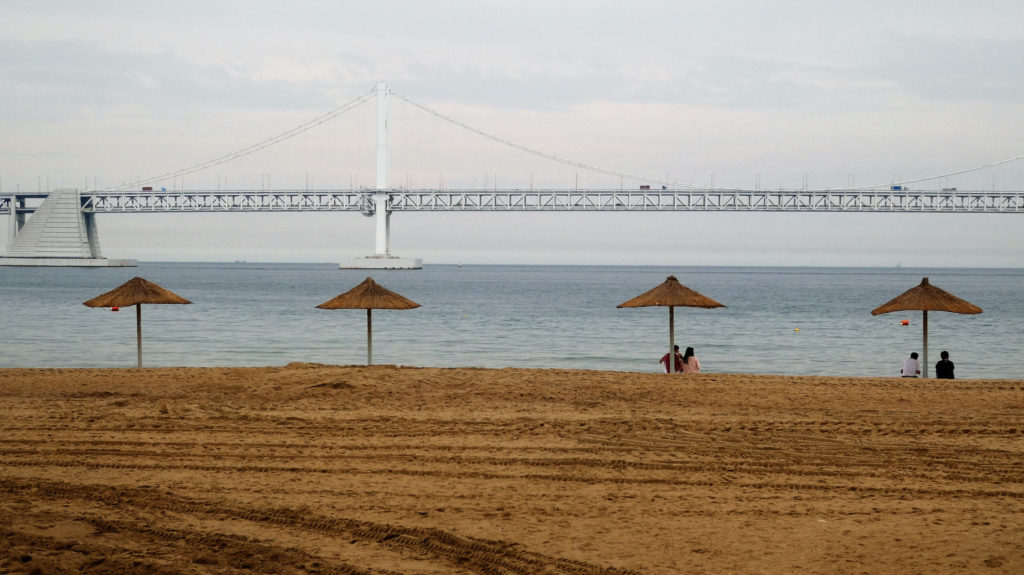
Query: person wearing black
{"x": 944, "y": 369}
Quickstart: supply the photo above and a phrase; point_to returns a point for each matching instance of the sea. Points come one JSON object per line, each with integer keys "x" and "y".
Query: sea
{"x": 777, "y": 320}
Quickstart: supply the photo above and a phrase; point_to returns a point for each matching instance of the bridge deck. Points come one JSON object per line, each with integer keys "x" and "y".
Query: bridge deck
{"x": 953, "y": 201}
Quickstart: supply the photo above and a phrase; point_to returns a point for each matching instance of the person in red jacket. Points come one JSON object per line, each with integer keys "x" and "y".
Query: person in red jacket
{"x": 678, "y": 362}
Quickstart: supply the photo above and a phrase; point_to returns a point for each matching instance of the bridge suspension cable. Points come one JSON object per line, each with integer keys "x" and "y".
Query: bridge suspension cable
{"x": 536, "y": 152}
{"x": 258, "y": 146}
{"x": 636, "y": 177}
{"x": 546, "y": 155}
{"x": 958, "y": 172}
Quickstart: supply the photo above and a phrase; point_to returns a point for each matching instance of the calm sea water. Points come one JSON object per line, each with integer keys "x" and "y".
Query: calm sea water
{"x": 520, "y": 316}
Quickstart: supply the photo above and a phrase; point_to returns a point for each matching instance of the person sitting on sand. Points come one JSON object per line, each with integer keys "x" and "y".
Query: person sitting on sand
{"x": 678, "y": 358}
{"x": 944, "y": 368}
{"x": 690, "y": 362}
{"x": 911, "y": 368}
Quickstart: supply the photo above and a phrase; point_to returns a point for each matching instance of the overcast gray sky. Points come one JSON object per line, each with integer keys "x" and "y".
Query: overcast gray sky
{"x": 731, "y": 94}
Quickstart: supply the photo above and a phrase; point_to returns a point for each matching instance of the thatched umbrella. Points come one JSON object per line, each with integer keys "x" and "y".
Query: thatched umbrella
{"x": 369, "y": 295}
{"x": 927, "y": 297}
{"x": 136, "y": 292}
{"x": 671, "y": 293}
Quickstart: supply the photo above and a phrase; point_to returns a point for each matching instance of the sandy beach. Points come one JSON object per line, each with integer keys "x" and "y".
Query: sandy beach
{"x": 331, "y": 469}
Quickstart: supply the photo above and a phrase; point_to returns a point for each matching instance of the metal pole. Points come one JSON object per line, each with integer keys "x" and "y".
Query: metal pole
{"x": 924, "y": 369}
{"x": 671, "y": 340}
{"x": 369, "y": 337}
{"x": 138, "y": 330}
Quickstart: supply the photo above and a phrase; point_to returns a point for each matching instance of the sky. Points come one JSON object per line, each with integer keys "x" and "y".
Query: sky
{"x": 771, "y": 95}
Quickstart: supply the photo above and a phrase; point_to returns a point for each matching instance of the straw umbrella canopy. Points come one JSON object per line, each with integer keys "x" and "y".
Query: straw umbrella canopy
{"x": 369, "y": 295}
{"x": 671, "y": 293}
{"x": 136, "y": 292}
{"x": 926, "y": 297}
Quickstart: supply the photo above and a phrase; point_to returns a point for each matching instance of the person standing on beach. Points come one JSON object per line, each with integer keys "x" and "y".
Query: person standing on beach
{"x": 911, "y": 368}
{"x": 690, "y": 362}
{"x": 944, "y": 368}
{"x": 678, "y": 361}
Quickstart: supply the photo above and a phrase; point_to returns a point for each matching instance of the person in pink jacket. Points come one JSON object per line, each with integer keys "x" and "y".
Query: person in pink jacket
{"x": 690, "y": 362}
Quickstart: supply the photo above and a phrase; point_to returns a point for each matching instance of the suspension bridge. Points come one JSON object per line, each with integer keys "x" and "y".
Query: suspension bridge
{"x": 59, "y": 228}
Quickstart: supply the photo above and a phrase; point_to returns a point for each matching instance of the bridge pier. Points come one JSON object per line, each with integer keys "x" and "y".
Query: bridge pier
{"x": 59, "y": 233}
{"x": 382, "y": 258}
{"x": 17, "y": 218}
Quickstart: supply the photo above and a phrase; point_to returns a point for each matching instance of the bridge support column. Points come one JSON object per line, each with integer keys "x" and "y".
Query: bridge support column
{"x": 382, "y": 258}
{"x": 16, "y": 220}
{"x": 58, "y": 234}
{"x": 383, "y": 220}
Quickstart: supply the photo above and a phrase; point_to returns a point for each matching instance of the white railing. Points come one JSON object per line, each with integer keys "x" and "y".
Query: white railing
{"x": 712, "y": 200}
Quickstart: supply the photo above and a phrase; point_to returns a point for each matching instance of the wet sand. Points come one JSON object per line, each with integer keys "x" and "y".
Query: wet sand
{"x": 328, "y": 469}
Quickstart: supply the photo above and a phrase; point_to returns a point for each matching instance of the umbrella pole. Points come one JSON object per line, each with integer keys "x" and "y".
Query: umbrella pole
{"x": 671, "y": 339}
{"x": 369, "y": 337}
{"x": 924, "y": 370}
{"x": 138, "y": 330}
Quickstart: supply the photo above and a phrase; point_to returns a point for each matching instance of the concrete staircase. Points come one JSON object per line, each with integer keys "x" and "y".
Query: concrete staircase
{"x": 59, "y": 234}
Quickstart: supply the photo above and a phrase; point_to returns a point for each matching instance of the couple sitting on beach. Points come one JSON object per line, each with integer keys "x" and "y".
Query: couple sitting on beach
{"x": 943, "y": 369}
{"x": 686, "y": 363}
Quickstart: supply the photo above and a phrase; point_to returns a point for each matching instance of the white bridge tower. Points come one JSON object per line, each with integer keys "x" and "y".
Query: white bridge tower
{"x": 382, "y": 258}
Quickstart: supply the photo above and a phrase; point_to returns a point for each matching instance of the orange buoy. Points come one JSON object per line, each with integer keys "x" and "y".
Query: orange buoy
{"x": 905, "y": 322}
{"x": 115, "y": 308}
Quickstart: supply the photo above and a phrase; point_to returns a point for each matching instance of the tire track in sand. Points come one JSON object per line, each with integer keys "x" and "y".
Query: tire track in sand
{"x": 469, "y": 554}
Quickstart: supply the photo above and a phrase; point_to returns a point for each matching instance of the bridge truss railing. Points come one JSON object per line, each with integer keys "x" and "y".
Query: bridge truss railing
{"x": 228, "y": 201}
{"x": 399, "y": 200}
{"x": 708, "y": 200}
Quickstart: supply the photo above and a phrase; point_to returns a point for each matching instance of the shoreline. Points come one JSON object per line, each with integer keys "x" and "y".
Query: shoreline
{"x": 704, "y": 374}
